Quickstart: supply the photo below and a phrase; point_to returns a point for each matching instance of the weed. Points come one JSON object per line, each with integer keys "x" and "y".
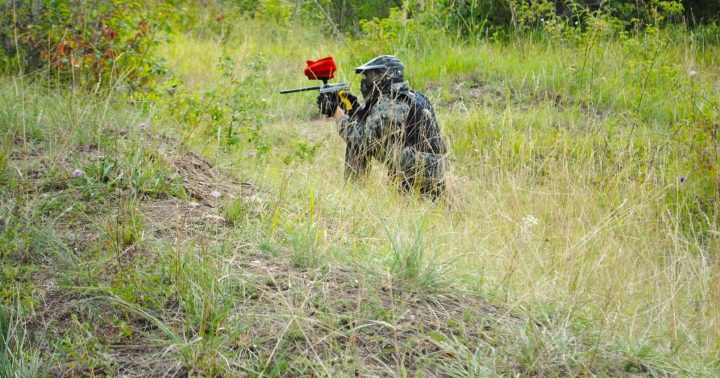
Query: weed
{"x": 302, "y": 151}
{"x": 141, "y": 170}
{"x": 412, "y": 265}
{"x": 206, "y": 302}
{"x": 267, "y": 249}
{"x": 85, "y": 353}
{"x": 5, "y": 176}
{"x": 304, "y": 240}
{"x": 237, "y": 211}
{"x": 146, "y": 173}
{"x": 18, "y": 355}
{"x": 127, "y": 228}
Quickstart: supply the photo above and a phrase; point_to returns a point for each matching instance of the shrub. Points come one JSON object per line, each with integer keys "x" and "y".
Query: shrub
{"x": 85, "y": 42}
{"x": 231, "y": 113}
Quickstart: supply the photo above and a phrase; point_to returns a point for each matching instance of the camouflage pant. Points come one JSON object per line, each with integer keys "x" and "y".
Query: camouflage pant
{"x": 423, "y": 172}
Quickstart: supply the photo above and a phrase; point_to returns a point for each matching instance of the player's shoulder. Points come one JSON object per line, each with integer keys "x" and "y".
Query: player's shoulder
{"x": 393, "y": 104}
{"x": 420, "y": 100}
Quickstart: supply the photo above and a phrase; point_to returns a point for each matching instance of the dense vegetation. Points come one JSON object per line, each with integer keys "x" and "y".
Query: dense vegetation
{"x": 163, "y": 210}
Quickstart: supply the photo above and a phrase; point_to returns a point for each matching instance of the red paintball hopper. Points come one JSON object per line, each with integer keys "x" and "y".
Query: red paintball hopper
{"x": 321, "y": 69}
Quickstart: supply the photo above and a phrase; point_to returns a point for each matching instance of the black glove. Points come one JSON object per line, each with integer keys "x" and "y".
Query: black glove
{"x": 327, "y": 103}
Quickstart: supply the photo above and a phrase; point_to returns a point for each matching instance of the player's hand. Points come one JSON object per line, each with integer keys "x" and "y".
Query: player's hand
{"x": 327, "y": 103}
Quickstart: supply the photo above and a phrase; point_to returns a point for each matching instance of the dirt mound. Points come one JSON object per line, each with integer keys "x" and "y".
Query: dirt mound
{"x": 208, "y": 189}
{"x": 202, "y": 181}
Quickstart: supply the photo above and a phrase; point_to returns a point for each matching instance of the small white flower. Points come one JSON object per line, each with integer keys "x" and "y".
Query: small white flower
{"x": 78, "y": 173}
{"x": 528, "y": 225}
{"x": 529, "y": 221}
{"x": 215, "y": 194}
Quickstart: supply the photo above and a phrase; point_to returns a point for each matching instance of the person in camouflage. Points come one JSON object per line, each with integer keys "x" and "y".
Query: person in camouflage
{"x": 396, "y": 126}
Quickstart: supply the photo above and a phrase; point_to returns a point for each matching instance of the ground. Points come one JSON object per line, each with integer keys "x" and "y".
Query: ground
{"x": 286, "y": 316}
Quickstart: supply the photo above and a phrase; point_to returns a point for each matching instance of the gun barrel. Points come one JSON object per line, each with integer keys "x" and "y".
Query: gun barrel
{"x": 315, "y": 88}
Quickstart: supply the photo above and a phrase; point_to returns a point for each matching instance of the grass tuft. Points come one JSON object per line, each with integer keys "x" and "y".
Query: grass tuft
{"x": 414, "y": 266}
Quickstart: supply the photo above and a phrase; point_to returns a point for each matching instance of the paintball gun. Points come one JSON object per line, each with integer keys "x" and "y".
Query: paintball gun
{"x": 324, "y": 69}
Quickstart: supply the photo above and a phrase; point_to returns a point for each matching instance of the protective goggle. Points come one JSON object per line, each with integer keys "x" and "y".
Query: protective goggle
{"x": 373, "y": 75}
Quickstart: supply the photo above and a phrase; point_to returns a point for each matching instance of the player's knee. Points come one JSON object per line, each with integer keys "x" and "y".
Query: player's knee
{"x": 408, "y": 160}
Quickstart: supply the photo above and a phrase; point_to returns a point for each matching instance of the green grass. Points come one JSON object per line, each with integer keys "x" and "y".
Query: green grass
{"x": 567, "y": 244}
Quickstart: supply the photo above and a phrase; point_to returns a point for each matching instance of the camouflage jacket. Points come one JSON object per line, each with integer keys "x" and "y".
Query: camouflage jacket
{"x": 401, "y": 131}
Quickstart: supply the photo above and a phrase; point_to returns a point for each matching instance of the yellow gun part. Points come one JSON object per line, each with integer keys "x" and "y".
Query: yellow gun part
{"x": 343, "y": 98}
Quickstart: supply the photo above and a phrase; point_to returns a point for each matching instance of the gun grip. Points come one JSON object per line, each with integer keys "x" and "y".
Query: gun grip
{"x": 345, "y": 101}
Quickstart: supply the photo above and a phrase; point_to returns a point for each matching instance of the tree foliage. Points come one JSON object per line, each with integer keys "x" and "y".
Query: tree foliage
{"x": 84, "y": 41}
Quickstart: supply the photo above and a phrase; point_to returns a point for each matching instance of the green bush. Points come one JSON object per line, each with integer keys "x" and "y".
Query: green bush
{"x": 484, "y": 18}
{"x": 231, "y": 113}
{"x": 85, "y": 42}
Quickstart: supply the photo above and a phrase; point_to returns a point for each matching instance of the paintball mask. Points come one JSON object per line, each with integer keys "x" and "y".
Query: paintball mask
{"x": 379, "y": 74}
